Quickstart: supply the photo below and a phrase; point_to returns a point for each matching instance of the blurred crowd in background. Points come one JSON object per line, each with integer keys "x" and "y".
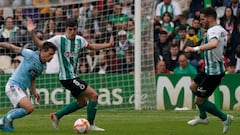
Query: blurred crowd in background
{"x": 168, "y": 26}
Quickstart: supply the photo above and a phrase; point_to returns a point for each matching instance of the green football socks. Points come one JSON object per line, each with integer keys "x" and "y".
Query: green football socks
{"x": 91, "y": 111}
{"x": 211, "y": 108}
{"x": 72, "y": 107}
{"x": 202, "y": 112}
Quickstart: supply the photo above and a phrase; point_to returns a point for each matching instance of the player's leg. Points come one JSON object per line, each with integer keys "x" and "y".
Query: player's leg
{"x": 76, "y": 87}
{"x": 1, "y": 123}
{"x": 202, "y": 118}
{"x": 92, "y": 95}
{"x": 19, "y": 99}
{"x": 71, "y": 107}
{"x": 193, "y": 87}
{"x": 55, "y": 117}
{"x": 204, "y": 91}
{"x": 211, "y": 108}
{"x": 92, "y": 104}
{"x": 25, "y": 108}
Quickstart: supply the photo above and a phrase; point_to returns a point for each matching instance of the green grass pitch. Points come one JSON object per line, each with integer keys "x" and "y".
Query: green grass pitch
{"x": 125, "y": 122}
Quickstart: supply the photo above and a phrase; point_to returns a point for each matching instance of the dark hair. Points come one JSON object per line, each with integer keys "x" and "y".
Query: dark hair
{"x": 210, "y": 12}
{"x": 237, "y": 51}
{"x": 196, "y": 18}
{"x": 71, "y": 22}
{"x": 167, "y": 13}
{"x": 192, "y": 28}
{"x": 112, "y": 49}
{"x": 48, "y": 45}
{"x": 232, "y": 18}
{"x": 202, "y": 11}
{"x": 9, "y": 17}
{"x": 182, "y": 28}
{"x": 231, "y": 63}
{"x": 183, "y": 16}
{"x": 173, "y": 45}
{"x": 163, "y": 32}
{"x": 75, "y": 6}
{"x": 117, "y": 3}
{"x": 131, "y": 20}
{"x": 16, "y": 61}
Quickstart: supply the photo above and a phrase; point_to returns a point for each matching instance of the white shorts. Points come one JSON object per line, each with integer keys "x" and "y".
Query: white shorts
{"x": 15, "y": 94}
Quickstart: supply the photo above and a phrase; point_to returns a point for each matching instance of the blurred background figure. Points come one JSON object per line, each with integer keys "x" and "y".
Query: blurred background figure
{"x": 9, "y": 30}
{"x": 31, "y": 45}
{"x": 170, "y": 6}
{"x": 161, "y": 68}
{"x": 15, "y": 63}
{"x": 230, "y": 68}
{"x": 171, "y": 58}
{"x": 184, "y": 66}
{"x": 120, "y": 20}
{"x": 1, "y": 18}
{"x": 83, "y": 67}
{"x": 92, "y": 59}
{"x": 50, "y": 29}
{"x": 129, "y": 56}
{"x": 102, "y": 67}
{"x": 122, "y": 43}
{"x": 113, "y": 61}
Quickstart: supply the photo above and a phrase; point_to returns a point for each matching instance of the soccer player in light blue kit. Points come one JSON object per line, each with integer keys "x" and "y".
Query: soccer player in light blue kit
{"x": 69, "y": 47}
{"x": 32, "y": 66}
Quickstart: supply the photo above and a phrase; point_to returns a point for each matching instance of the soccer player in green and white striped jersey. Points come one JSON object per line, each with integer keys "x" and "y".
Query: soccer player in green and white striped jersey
{"x": 206, "y": 82}
{"x": 69, "y": 47}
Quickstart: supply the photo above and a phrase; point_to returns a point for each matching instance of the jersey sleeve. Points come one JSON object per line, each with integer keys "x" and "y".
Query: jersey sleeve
{"x": 83, "y": 42}
{"x": 177, "y": 9}
{"x": 212, "y": 33}
{"x": 158, "y": 9}
{"x": 54, "y": 40}
{"x": 26, "y": 53}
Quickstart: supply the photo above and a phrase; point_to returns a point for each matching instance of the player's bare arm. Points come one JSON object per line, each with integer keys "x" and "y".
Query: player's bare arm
{"x": 102, "y": 46}
{"x": 10, "y": 47}
{"x": 211, "y": 45}
{"x": 34, "y": 91}
{"x": 30, "y": 28}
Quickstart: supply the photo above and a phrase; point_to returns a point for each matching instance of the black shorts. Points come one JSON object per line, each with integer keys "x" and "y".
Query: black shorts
{"x": 207, "y": 83}
{"x": 76, "y": 86}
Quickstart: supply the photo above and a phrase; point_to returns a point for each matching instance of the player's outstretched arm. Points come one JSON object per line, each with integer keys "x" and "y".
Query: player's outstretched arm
{"x": 10, "y": 47}
{"x": 30, "y": 27}
{"x": 103, "y": 45}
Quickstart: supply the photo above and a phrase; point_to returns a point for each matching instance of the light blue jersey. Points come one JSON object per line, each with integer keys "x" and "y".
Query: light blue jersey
{"x": 30, "y": 68}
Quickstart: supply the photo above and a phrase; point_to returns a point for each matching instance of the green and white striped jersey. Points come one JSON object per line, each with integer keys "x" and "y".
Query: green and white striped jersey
{"x": 214, "y": 58}
{"x": 68, "y": 54}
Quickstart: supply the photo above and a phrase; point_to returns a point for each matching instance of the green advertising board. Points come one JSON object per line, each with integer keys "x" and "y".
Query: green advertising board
{"x": 117, "y": 91}
{"x": 173, "y": 91}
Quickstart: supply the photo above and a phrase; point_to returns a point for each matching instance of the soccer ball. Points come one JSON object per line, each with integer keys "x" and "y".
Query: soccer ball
{"x": 81, "y": 126}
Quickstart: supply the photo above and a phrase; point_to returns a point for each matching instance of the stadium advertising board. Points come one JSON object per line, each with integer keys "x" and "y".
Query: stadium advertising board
{"x": 172, "y": 91}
